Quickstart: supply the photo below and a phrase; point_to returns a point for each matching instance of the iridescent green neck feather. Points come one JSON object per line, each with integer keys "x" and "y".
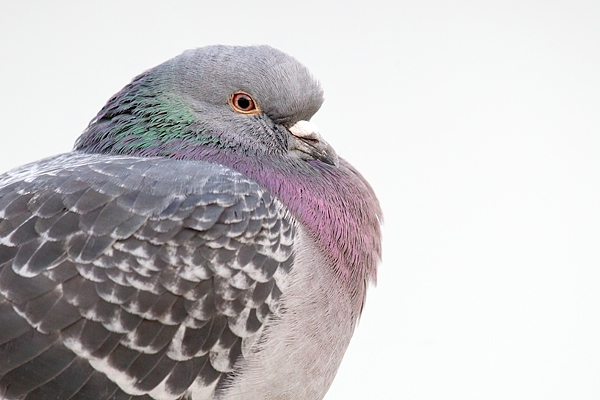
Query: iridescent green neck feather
{"x": 146, "y": 118}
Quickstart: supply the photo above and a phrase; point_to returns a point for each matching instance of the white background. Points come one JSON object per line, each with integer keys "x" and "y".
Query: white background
{"x": 477, "y": 123}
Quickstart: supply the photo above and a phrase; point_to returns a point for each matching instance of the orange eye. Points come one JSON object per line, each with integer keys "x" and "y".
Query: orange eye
{"x": 243, "y": 103}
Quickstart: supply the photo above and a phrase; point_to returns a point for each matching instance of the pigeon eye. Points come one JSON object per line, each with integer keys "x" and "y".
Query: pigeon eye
{"x": 243, "y": 103}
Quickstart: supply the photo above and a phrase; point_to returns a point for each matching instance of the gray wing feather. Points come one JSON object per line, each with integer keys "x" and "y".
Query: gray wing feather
{"x": 126, "y": 277}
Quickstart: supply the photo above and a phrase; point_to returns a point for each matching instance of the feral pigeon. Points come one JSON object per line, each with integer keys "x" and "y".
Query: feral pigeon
{"x": 201, "y": 241}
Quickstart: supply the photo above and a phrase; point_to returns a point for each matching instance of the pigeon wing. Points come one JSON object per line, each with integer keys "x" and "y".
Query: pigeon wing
{"x": 125, "y": 277}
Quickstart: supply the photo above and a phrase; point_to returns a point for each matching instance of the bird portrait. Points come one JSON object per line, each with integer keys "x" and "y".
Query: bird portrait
{"x": 201, "y": 241}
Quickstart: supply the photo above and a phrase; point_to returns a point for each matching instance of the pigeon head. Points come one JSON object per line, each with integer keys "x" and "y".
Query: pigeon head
{"x": 254, "y": 101}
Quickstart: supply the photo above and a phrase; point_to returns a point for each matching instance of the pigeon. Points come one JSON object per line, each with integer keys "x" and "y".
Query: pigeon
{"x": 201, "y": 241}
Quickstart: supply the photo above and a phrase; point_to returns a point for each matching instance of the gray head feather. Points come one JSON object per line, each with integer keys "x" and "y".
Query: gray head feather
{"x": 284, "y": 88}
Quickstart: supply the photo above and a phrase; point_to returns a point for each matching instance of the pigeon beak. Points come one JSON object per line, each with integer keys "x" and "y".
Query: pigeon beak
{"x": 308, "y": 144}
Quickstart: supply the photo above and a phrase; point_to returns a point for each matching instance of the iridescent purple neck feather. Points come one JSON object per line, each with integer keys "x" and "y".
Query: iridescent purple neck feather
{"x": 337, "y": 205}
